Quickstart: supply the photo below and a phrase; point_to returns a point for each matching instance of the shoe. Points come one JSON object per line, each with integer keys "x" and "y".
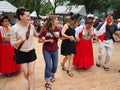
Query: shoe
{"x": 98, "y": 65}
{"x": 69, "y": 73}
{"x": 48, "y": 86}
{"x": 52, "y": 78}
{"x": 106, "y": 68}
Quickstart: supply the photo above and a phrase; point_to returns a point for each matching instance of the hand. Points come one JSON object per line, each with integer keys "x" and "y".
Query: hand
{"x": 51, "y": 40}
{"x": 23, "y": 38}
{"x": 43, "y": 38}
{"x": 71, "y": 38}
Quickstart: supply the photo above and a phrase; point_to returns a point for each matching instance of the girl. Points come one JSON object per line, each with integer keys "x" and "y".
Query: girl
{"x": 49, "y": 36}
{"x": 68, "y": 44}
{"x": 26, "y": 56}
{"x": 7, "y": 64}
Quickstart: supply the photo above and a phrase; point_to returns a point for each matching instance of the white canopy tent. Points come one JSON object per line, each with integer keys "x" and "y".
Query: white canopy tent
{"x": 5, "y": 6}
{"x": 33, "y": 14}
{"x": 75, "y": 9}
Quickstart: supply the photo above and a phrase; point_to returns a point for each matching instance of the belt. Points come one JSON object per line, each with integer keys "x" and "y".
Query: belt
{"x": 107, "y": 38}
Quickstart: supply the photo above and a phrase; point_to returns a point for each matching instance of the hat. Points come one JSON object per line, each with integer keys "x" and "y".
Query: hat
{"x": 90, "y": 15}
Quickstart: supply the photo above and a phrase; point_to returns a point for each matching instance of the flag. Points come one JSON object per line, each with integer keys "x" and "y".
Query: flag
{"x": 101, "y": 33}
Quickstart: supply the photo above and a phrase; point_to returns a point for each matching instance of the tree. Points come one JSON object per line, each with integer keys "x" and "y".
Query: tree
{"x": 55, "y": 4}
{"x": 30, "y": 4}
{"x": 101, "y": 5}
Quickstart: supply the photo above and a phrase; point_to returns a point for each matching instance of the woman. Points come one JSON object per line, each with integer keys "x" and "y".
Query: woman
{"x": 68, "y": 44}
{"x": 84, "y": 51}
{"x": 8, "y": 65}
{"x": 26, "y": 56}
{"x": 49, "y": 36}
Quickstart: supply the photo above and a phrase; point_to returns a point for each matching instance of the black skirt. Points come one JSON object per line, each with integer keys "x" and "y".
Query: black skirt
{"x": 68, "y": 47}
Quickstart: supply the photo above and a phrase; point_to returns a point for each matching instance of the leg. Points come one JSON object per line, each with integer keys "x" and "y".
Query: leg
{"x": 54, "y": 61}
{"x": 31, "y": 79}
{"x": 70, "y": 61}
{"x": 24, "y": 68}
{"x": 47, "y": 58}
{"x": 65, "y": 59}
{"x": 109, "y": 50}
{"x": 63, "y": 63}
{"x": 70, "y": 65}
{"x": 101, "y": 53}
{"x": 54, "y": 65}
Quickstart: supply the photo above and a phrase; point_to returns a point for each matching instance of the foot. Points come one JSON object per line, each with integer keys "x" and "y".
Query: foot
{"x": 106, "y": 68}
{"x": 48, "y": 86}
{"x": 69, "y": 73}
{"x": 98, "y": 65}
{"x": 52, "y": 78}
{"x": 63, "y": 67}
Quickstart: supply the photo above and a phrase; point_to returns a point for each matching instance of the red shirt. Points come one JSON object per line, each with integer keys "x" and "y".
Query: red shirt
{"x": 50, "y": 46}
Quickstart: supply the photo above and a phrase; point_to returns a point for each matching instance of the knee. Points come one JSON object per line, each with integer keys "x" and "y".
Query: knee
{"x": 25, "y": 72}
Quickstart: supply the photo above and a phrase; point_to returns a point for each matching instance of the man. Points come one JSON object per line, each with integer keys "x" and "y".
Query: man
{"x": 107, "y": 43}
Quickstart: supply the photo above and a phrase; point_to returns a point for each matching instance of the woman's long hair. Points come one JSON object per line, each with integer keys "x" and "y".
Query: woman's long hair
{"x": 48, "y": 23}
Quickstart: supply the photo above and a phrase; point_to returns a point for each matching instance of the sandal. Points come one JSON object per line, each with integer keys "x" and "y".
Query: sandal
{"x": 69, "y": 73}
{"x": 105, "y": 68}
{"x": 52, "y": 78}
{"x": 48, "y": 86}
{"x": 63, "y": 67}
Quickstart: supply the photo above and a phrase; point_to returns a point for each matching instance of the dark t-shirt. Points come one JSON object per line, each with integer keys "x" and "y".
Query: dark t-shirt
{"x": 50, "y": 46}
{"x": 110, "y": 30}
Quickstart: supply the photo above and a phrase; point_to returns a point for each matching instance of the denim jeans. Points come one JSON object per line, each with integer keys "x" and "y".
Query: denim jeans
{"x": 51, "y": 61}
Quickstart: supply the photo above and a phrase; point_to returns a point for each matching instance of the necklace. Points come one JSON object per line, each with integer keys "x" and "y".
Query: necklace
{"x": 6, "y": 32}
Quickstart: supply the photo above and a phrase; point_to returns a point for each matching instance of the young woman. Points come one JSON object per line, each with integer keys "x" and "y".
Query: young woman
{"x": 68, "y": 44}
{"x": 26, "y": 56}
{"x": 84, "y": 50}
{"x": 7, "y": 64}
{"x": 49, "y": 36}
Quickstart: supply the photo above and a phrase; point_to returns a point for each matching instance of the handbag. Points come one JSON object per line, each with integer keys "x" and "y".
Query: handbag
{"x": 27, "y": 36}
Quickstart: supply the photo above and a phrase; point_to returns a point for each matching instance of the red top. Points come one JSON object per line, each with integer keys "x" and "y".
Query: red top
{"x": 50, "y": 46}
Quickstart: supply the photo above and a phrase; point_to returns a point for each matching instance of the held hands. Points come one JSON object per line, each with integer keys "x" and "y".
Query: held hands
{"x": 71, "y": 38}
{"x": 51, "y": 40}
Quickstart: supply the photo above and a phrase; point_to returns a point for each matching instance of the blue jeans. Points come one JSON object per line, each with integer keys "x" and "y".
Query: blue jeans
{"x": 51, "y": 61}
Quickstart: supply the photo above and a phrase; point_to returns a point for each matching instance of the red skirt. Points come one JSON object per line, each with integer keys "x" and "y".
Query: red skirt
{"x": 84, "y": 54}
{"x": 7, "y": 63}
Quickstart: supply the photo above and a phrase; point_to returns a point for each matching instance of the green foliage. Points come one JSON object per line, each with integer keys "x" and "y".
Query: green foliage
{"x": 101, "y": 5}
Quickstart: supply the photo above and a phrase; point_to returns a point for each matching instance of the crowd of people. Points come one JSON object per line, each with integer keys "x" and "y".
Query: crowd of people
{"x": 76, "y": 47}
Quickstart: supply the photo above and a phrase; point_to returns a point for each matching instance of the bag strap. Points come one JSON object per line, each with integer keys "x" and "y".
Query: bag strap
{"x": 27, "y": 36}
{"x": 53, "y": 35}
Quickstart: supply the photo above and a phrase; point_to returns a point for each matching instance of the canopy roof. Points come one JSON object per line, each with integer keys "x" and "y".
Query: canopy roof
{"x": 5, "y": 6}
{"x": 75, "y": 9}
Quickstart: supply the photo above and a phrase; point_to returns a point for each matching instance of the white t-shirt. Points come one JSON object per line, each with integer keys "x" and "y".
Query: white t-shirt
{"x": 17, "y": 31}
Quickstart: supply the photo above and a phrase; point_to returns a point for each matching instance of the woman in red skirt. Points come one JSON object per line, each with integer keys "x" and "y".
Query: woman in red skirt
{"x": 7, "y": 63}
{"x": 84, "y": 50}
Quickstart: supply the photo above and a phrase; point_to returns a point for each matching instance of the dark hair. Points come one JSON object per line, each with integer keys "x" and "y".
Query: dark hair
{"x": 74, "y": 17}
{"x": 21, "y": 11}
{"x": 2, "y": 19}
